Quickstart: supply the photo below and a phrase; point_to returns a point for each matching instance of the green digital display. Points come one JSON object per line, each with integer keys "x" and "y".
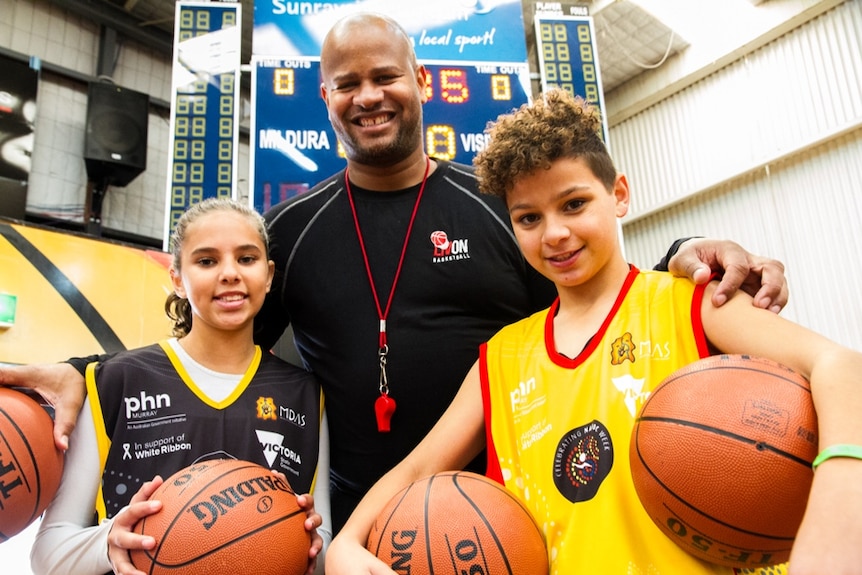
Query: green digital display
{"x": 568, "y": 57}
{"x": 204, "y": 106}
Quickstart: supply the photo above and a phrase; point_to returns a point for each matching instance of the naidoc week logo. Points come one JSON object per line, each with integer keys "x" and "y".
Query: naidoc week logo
{"x": 583, "y": 459}
{"x": 446, "y": 250}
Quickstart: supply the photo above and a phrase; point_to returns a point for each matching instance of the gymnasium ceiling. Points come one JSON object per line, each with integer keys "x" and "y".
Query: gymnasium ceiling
{"x": 629, "y": 38}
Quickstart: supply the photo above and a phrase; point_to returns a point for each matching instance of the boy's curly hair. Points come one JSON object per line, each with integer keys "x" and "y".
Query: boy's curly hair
{"x": 557, "y": 125}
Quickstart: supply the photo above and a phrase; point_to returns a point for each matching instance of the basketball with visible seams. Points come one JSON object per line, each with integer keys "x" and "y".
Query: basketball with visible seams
{"x": 30, "y": 465}
{"x": 721, "y": 457}
{"x": 458, "y": 522}
{"x": 225, "y": 516}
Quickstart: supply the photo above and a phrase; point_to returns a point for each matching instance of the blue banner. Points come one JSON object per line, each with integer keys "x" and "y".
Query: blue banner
{"x": 473, "y": 30}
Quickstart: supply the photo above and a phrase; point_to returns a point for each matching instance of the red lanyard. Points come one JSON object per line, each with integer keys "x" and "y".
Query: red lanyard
{"x": 384, "y": 406}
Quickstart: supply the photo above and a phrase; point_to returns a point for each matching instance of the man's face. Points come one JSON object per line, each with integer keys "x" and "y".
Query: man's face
{"x": 374, "y": 93}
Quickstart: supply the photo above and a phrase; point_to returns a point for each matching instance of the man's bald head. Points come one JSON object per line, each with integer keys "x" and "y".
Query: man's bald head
{"x": 344, "y": 30}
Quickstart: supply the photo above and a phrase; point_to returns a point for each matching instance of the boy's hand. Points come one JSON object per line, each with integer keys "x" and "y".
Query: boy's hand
{"x": 760, "y": 277}
{"x": 348, "y": 557}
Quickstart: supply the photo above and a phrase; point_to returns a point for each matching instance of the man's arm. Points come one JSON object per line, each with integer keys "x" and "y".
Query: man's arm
{"x": 61, "y": 384}
{"x": 760, "y": 277}
{"x": 661, "y": 266}
{"x": 81, "y": 363}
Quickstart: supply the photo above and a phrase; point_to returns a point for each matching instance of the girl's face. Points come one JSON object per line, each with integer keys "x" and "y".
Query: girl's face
{"x": 223, "y": 272}
{"x": 566, "y": 220}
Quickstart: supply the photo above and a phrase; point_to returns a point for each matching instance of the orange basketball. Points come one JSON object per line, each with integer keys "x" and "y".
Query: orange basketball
{"x": 30, "y": 465}
{"x": 721, "y": 458}
{"x": 458, "y": 522}
{"x": 225, "y": 516}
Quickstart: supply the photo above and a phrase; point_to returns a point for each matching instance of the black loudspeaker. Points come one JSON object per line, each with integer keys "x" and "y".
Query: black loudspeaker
{"x": 115, "y": 146}
{"x": 13, "y": 198}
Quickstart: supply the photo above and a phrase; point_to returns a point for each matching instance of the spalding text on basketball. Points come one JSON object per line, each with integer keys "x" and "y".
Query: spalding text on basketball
{"x": 10, "y": 478}
{"x": 209, "y": 510}
{"x": 402, "y": 542}
{"x": 465, "y": 554}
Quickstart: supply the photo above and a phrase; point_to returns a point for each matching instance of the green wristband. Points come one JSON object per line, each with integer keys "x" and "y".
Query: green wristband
{"x": 839, "y": 450}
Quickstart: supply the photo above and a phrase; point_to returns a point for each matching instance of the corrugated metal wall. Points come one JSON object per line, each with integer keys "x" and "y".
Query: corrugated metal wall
{"x": 767, "y": 152}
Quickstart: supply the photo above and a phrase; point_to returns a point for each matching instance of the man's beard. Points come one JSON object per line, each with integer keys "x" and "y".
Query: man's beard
{"x": 388, "y": 153}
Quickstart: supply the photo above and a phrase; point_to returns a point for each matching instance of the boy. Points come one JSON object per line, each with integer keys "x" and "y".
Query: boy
{"x": 587, "y": 363}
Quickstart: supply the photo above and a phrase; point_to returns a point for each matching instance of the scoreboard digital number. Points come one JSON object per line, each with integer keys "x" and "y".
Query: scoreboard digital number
{"x": 460, "y": 102}
{"x": 568, "y": 58}
{"x": 204, "y": 107}
{"x": 295, "y": 147}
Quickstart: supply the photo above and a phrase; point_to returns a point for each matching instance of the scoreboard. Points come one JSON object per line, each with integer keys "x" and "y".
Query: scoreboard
{"x": 295, "y": 146}
{"x": 568, "y": 58}
{"x": 462, "y": 98}
{"x": 204, "y": 106}
{"x": 475, "y": 54}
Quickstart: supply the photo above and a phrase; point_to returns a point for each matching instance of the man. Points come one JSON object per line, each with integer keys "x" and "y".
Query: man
{"x": 393, "y": 271}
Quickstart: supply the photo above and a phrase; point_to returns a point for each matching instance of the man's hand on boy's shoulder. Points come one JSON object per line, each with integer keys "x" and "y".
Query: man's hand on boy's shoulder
{"x": 760, "y": 277}
{"x": 60, "y": 384}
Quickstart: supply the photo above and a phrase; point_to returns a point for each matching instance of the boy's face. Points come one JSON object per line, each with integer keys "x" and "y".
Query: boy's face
{"x": 565, "y": 220}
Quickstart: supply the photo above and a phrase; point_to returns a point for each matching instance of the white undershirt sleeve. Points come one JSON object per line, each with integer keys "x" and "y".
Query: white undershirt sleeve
{"x": 321, "y": 493}
{"x": 66, "y": 542}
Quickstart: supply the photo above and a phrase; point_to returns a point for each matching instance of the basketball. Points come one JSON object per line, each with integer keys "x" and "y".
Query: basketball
{"x": 458, "y": 522}
{"x": 721, "y": 456}
{"x": 30, "y": 465}
{"x": 225, "y": 516}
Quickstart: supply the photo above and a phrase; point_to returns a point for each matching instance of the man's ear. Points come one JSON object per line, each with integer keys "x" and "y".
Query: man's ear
{"x": 324, "y": 94}
{"x": 421, "y": 81}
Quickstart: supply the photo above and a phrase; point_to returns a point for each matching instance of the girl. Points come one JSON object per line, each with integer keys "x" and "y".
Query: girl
{"x": 209, "y": 392}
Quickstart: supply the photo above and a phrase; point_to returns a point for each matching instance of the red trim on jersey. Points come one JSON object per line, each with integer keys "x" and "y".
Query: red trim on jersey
{"x": 697, "y": 319}
{"x": 572, "y": 363}
{"x": 493, "y": 470}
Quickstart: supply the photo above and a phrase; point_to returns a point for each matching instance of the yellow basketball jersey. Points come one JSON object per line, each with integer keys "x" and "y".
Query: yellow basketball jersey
{"x": 559, "y": 428}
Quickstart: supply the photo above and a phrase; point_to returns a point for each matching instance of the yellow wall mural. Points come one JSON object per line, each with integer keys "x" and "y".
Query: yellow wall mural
{"x": 76, "y": 296}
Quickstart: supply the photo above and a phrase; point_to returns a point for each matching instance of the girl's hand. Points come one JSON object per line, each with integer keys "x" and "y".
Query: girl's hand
{"x": 121, "y": 538}
{"x": 312, "y": 522}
